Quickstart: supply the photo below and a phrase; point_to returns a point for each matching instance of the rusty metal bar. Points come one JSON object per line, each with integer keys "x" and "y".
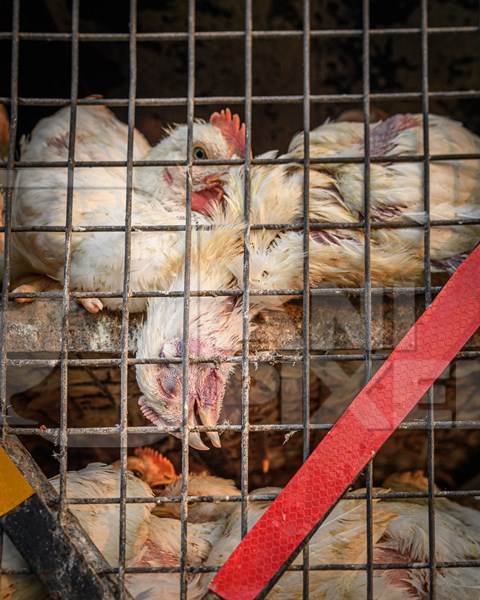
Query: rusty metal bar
{"x": 62, "y": 439}
{"x": 258, "y": 33}
{"x": 12, "y": 139}
{"x": 126, "y": 292}
{"x": 185, "y": 429}
{"x": 411, "y": 158}
{"x": 367, "y": 296}
{"x": 428, "y": 297}
{"x": 276, "y": 99}
{"x": 245, "y": 389}
{"x": 306, "y": 263}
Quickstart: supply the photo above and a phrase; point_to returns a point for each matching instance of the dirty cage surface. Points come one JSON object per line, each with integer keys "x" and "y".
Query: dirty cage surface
{"x": 286, "y": 67}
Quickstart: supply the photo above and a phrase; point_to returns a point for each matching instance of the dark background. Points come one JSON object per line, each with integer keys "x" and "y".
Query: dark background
{"x": 336, "y": 63}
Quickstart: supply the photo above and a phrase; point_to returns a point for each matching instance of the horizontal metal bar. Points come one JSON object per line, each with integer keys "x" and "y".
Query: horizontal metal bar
{"x": 255, "y": 497}
{"x": 155, "y": 294}
{"x": 51, "y": 432}
{"x": 156, "y": 102}
{"x": 328, "y": 567}
{"x": 181, "y": 36}
{"x": 226, "y": 292}
{"x": 259, "y": 358}
{"x": 314, "y": 226}
{"x": 413, "y": 158}
{"x": 295, "y": 568}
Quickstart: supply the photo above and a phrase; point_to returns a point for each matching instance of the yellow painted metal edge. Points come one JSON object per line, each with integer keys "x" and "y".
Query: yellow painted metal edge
{"x": 14, "y": 488}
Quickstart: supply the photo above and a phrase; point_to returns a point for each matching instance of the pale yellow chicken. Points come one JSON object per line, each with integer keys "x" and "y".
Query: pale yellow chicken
{"x": 399, "y": 535}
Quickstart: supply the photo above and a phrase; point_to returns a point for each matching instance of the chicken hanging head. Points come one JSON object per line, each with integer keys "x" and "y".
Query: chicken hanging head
{"x": 223, "y": 137}
{"x": 162, "y": 384}
{"x": 214, "y": 332}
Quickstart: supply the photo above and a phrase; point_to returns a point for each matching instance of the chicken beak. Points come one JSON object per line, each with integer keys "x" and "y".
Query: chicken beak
{"x": 209, "y": 401}
{"x": 212, "y": 180}
{"x": 195, "y": 441}
{"x": 194, "y": 438}
{"x": 209, "y": 420}
{"x": 161, "y": 510}
{"x": 214, "y": 438}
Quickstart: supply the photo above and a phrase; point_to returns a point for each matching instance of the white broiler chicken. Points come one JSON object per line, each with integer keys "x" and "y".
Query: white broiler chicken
{"x": 206, "y": 522}
{"x": 100, "y": 521}
{"x": 396, "y": 188}
{"x": 99, "y": 199}
{"x": 151, "y": 541}
{"x": 399, "y": 535}
{"x": 336, "y": 256}
{"x": 200, "y": 485}
{"x": 163, "y": 549}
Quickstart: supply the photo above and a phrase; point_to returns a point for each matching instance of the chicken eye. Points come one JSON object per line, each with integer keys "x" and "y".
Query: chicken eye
{"x": 159, "y": 488}
{"x": 199, "y": 153}
{"x": 137, "y": 474}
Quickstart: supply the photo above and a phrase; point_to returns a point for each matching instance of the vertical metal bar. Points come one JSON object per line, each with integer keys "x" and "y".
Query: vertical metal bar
{"x": 428, "y": 294}
{"x": 12, "y": 137}
{"x": 306, "y": 261}
{"x": 245, "y": 425}
{"x": 126, "y": 291}
{"x": 186, "y": 297}
{"x": 367, "y": 297}
{"x": 63, "y": 438}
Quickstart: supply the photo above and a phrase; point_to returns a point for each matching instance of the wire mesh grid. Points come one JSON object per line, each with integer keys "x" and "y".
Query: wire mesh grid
{"x": 64, "y": 432}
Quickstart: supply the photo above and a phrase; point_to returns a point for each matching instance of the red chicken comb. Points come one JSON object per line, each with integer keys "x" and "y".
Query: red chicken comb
{"x": 160, "y": 461}
{"x": 232, "y": 128}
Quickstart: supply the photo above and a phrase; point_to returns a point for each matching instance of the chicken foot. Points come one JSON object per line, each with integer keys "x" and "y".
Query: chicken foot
{"x": 29, "y": 284}
{"x": 32, "y": 284}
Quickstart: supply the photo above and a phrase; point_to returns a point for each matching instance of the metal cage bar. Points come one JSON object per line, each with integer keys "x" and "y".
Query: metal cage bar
{"x": 186, "y": 297}
{"x": 428, "y": 295}
{"x": 277, "y": 99}
{"x": 306, "y": 261}
{"x": 254, "y": 161}
{"x": 245, "y": 386}
{"x": 367, "y": 296}
{"x": 292, "y": 357}
{"x": 62, "y": 438}
{"x": 126, "y": 290}
{"x": 265, "y": 34}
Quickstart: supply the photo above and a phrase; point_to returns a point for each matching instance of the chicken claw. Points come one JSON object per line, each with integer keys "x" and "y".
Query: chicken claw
{"x": 92, "y": 305}
{"x": 26, "y": 288}
{"x": 36, "y": 284}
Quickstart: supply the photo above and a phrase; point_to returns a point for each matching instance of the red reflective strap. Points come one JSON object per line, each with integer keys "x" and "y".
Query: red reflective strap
{"x": 371, "y": 418}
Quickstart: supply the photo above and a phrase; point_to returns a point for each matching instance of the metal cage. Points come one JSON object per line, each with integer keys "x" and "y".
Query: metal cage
{"x": 363, "y": 33}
